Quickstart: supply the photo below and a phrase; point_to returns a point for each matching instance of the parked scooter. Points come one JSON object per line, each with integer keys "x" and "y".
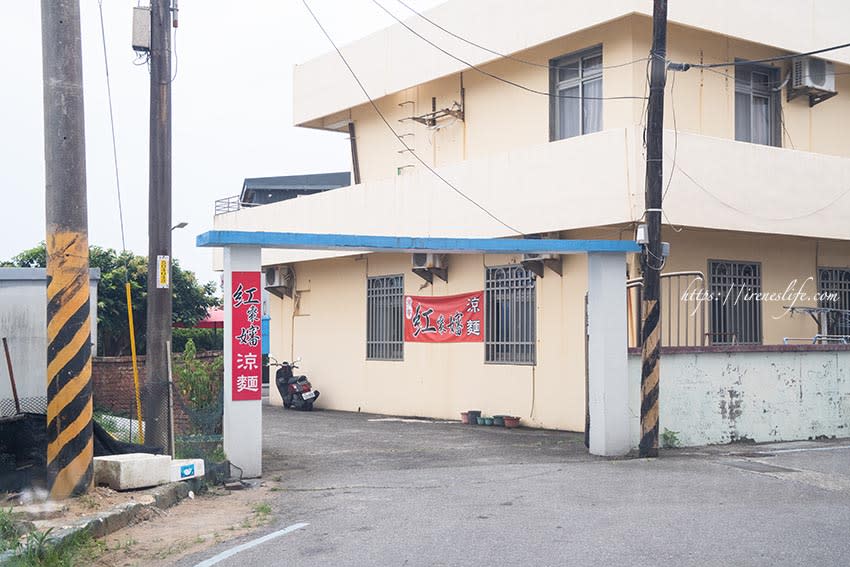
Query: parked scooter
{"x": 296, "y": 391}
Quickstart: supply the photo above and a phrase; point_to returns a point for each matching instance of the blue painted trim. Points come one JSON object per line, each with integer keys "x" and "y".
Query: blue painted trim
{"x": 352, "y": 242}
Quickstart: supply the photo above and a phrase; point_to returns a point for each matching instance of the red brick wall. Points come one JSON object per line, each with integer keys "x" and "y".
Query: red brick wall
{"x": 113, "y": 390}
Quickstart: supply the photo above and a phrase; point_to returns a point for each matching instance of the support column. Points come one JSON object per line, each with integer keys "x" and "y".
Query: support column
{"x": 243, "y": 425}
{"x": 607, "y": 355}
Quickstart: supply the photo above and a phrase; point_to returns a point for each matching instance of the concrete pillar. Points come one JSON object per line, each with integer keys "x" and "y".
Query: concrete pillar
{"x": 607, "y": 355}
{"x": 243, "y": 425}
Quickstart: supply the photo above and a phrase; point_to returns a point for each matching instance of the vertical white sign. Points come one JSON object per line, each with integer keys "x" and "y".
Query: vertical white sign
{"x": 163, "y": 272}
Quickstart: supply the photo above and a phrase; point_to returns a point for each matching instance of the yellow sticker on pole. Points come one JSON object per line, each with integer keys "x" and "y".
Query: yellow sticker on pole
{"x": 163, "y": 272}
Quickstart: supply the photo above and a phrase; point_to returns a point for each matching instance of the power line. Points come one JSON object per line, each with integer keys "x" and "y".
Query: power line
{"x": 497, "y": 77}
{"x": 112, "y": 125}
{"x": 761, "y": 217}
{"x": 686, "y": 66}
{"x": 505, "y": 55}
{"x": 391, "y": 129}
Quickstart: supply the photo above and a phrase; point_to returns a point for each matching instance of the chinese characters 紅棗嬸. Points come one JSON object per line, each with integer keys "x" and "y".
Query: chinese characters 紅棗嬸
{"x": 243, "y": 296}
{"x": 422, "y": 321}
{"x": 249, "y": 336}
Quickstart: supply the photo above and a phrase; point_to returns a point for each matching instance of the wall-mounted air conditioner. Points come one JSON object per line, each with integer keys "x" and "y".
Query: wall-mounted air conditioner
{"x": 280, "y": 280}
{"x": 812, "y": 77}
{"x": 428, "y": 265}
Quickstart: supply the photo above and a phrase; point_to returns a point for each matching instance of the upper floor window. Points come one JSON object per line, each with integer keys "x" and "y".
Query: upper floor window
{"x": 757, "y": 105}
{"x": 735, "y": 308}
{"x": 575, "y": 85}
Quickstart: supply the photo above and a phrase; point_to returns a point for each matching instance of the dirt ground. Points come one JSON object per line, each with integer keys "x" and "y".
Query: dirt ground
{"x": 190, "y": 526}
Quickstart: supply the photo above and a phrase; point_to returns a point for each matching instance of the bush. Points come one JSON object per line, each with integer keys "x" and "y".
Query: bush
{"x": 203, "y": 339}
{"x": 199, "y": 382}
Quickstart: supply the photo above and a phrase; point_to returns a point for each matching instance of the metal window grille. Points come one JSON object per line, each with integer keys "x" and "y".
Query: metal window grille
{"x": 735, "y": 311}
{"x": 510, "y": 315}
{"x": 384, "y": 322}
{"x": 836, "y": 282}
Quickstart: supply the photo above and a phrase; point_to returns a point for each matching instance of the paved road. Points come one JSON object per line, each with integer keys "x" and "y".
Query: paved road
{"x": 434, "y": 494}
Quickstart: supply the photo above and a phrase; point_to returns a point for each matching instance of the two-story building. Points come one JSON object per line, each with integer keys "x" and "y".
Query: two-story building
{"x": 536, "y": 128}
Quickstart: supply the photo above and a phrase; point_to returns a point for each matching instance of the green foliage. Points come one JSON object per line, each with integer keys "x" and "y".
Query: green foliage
{"x": 204, "y": 339}
{"x": 190, "y": 298}
{"x": 41, "y": 551}
{"x": 670, "y": 439}
{"x": 199, "y": 381}
{"x": 8, "y": 530}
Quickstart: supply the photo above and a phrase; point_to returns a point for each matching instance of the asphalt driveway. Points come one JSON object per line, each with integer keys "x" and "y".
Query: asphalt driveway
{"x": 381, "y": 491}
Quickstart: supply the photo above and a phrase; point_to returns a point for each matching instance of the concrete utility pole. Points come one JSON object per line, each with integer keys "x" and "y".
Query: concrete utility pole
{"x": 69, "y": 404}
{"x": 159, "y": 231}
{"x": 652, "y": 256}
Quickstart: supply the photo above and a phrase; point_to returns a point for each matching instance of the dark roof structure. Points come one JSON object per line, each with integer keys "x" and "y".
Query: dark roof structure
{"x": 264, "y": 190}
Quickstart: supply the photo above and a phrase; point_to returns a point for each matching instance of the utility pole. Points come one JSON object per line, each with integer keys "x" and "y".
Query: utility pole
{"x": 652, "y": 256}
{"x": 159, "y": 231}
{"x": 69, "y": 404}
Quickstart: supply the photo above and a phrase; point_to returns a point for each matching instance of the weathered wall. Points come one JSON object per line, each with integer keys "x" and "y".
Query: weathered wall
{"x": 719, "y": 397}
{"x": 23, "y": 320}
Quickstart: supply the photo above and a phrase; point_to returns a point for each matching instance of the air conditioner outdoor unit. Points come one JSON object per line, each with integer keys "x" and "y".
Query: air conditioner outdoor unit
{"x": 426, "y": 266}
{"x": 429, "y": 261}
{"x": 812, "y": 77}
{"x": 535, "y": 262}
{"x": 545, "y": 256}
{"x": 280, "y": 280}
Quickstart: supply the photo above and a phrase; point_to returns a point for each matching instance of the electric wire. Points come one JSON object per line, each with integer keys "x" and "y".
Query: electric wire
{"x": 505, "y": 55}
{"x": 391, "y": 129}
{"x": 761, "y": 217}
{"x": 766, "y": 59}
{"x": 493, "y": 75}
{"x": 112, "y": 126}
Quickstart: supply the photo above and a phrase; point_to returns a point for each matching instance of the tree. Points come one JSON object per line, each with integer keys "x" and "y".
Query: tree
{"x": 190, "y": 304}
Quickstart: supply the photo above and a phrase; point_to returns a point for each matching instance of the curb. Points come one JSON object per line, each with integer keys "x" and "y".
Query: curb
{"x": 119, "y": 517}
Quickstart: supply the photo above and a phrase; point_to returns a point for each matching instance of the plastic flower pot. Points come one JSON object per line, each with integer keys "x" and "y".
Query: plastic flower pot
{"x": 480, "y": 420}
{"x": 488, "y": 421}
{"x": 473, "y": 416}
{"x": 511, "y": 422}
{"x": 464, "y": 417}
{"x": 499, "y": 420}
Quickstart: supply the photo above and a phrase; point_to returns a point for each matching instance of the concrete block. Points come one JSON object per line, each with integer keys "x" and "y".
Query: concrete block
{"x": 184, "y": 469}
{"x": 134, "y": 470}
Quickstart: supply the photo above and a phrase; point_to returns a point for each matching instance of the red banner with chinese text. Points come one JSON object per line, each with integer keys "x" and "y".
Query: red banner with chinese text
{"x": 246, "y": 341}
{"x": 446, "y": 319}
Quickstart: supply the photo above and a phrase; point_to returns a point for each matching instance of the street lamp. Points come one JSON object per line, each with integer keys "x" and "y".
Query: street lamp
{"x": 180, "y": 225}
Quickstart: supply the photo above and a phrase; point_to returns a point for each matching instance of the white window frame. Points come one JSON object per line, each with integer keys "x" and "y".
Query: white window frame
{"x": 556, "y": 103}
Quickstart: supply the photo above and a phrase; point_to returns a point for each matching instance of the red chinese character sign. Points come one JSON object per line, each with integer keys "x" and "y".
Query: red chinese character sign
{"x": 247, "y": 358}
{"x": 447, "y": 319}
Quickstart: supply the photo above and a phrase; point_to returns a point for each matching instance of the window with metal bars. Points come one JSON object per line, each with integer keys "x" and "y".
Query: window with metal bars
{"x": 510, "y": 329}
{"x": 836, "y": 282}
{"x": 384, "y": 322}
{"x": 735, "y": 310}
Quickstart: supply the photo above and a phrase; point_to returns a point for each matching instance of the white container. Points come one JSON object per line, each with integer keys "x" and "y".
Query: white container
{"x": 184, "y": 469}
{"x": 133, "y": 470}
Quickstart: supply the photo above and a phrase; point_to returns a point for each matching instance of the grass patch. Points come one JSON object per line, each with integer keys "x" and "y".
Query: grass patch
{"x": 39, "y": 550}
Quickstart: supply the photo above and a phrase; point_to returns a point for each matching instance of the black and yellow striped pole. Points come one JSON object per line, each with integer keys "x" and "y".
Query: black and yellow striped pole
{"x": 652, "y": 257}
{"x": 69, "y": 404}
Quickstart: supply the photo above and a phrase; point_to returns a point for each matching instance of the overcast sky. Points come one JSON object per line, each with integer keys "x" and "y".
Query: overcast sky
{"x": 232, "y": 112}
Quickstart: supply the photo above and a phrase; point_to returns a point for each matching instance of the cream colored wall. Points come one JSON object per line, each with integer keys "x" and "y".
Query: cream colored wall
{"x": 394, "y": 59}
{"x": 704, "y": 99}
{"x": 783, "y": 259}
{"x": 502, "y": 117}
{"x": 433, "y": 380}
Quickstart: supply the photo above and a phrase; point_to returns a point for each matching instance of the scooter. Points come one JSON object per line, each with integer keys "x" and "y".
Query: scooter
{"x": 296, "y": 391}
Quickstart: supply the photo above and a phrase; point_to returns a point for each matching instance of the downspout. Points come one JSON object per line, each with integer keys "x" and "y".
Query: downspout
{"x": 355, "y": 162}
